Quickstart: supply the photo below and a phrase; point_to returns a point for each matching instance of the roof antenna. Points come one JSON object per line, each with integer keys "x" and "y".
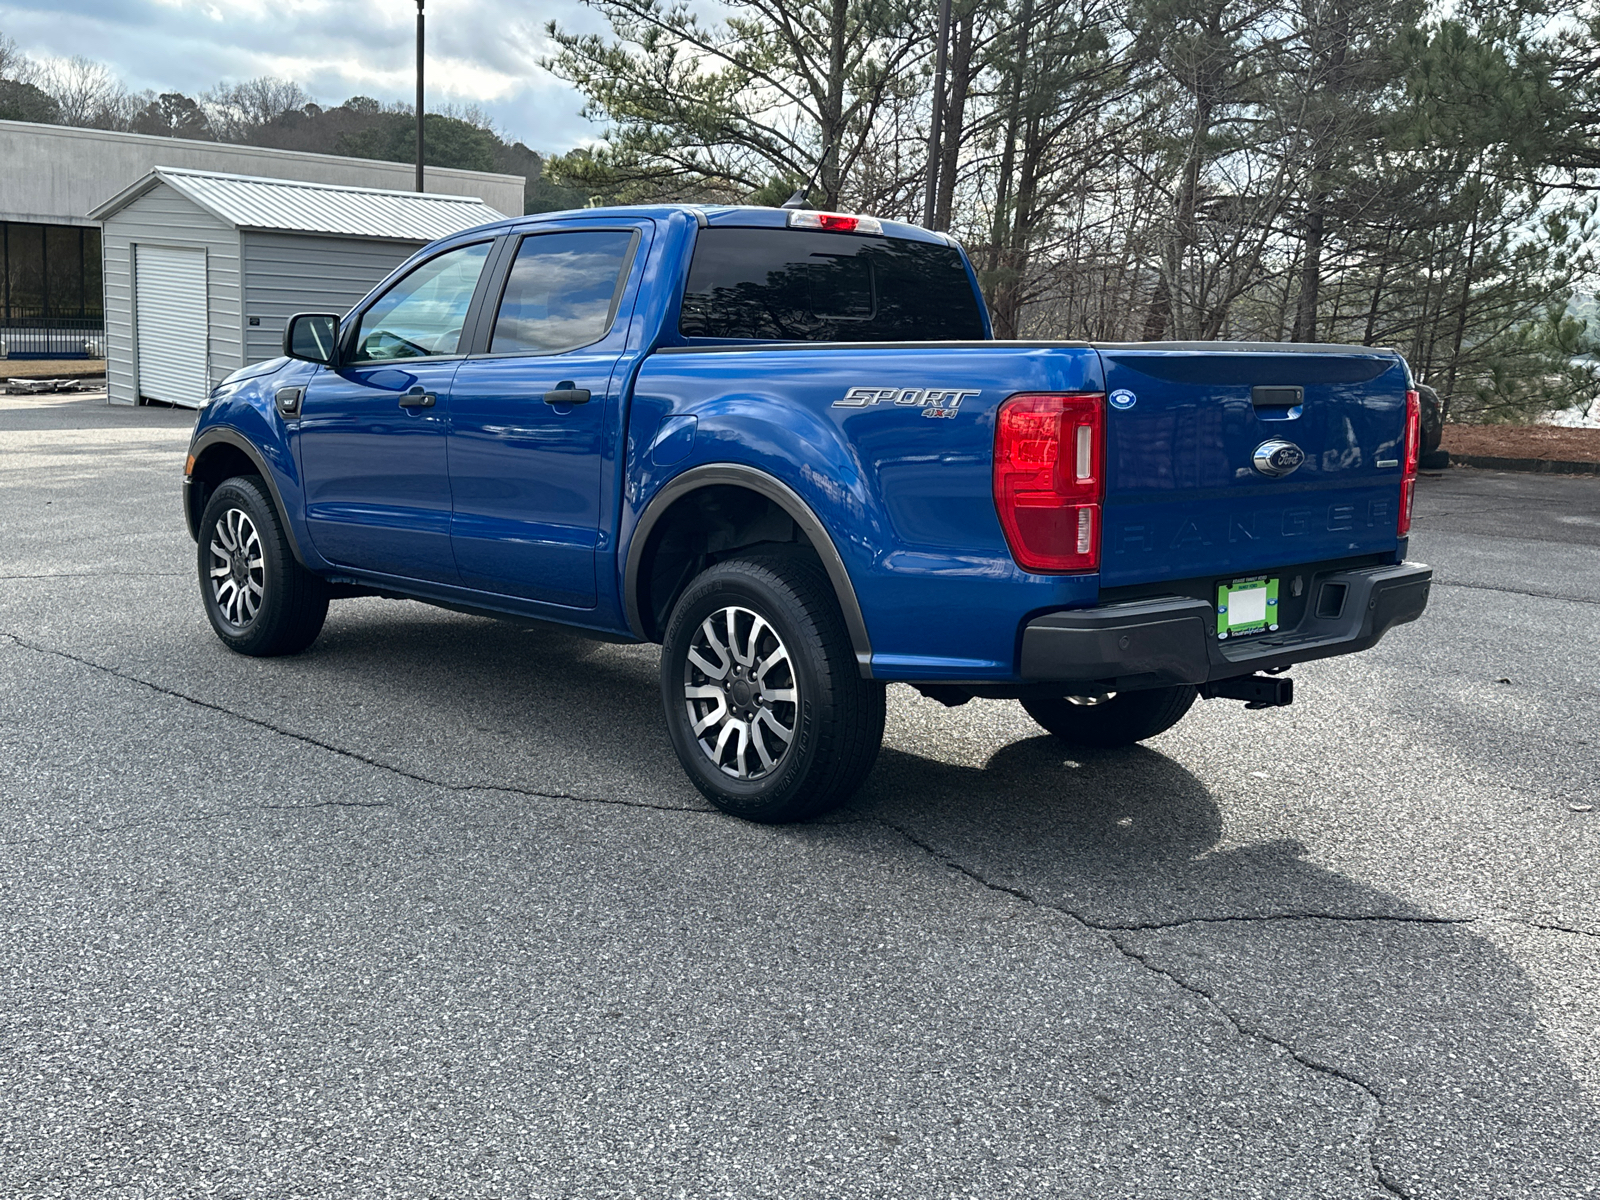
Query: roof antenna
{"x": 802, "y": 195}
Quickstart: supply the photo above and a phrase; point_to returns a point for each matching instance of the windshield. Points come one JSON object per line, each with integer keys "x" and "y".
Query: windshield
{"x": 797, "y": 285}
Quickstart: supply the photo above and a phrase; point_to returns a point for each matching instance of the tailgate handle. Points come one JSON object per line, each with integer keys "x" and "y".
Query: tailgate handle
{"x": 1278, "y": 403}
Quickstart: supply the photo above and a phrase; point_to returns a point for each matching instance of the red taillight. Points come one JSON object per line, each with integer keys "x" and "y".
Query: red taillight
{"x": 1049, "y": 479}
{"x": 1413, "y": 454}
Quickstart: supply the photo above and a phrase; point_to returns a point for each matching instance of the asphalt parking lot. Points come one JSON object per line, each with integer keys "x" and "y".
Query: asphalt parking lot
{"x": 431, "y": 910}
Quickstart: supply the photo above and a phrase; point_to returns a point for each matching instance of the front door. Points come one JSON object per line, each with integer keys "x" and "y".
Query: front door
{"x": 373, "y": 434}
{"x": 528, "y": 420}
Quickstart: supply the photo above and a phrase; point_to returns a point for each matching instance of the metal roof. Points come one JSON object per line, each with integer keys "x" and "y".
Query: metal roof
{"x": 293, "y": 206}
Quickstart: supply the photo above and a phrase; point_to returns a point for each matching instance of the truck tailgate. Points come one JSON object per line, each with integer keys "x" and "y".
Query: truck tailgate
{"x": 1184, "y": 497}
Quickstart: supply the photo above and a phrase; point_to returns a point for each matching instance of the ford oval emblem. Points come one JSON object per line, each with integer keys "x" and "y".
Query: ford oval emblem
{"x": 1277, "y": 458}
{"x": 1123, "y": 398}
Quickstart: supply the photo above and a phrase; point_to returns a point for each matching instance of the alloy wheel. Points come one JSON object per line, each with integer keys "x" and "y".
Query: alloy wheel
{"x": 238, "y": 569}
{"x": 742, "y": 694}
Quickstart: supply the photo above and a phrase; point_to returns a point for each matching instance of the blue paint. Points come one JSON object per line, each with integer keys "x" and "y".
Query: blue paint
{"x": 673, "y": 440}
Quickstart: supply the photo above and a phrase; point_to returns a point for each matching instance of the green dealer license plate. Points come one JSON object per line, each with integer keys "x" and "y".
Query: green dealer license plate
{"x": 1246, "y": 606}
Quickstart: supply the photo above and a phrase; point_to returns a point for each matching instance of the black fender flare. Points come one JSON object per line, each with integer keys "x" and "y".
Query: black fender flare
{"x": 786, "y": 498}
{"x": 223, "y": 435}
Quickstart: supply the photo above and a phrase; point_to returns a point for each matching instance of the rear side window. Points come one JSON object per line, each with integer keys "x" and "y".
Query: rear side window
{"x": 562, "y": 291}
{"x": 797, "y": 285}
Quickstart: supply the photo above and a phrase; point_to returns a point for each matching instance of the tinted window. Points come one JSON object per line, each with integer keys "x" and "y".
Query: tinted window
{"x": 562, "y": 291}
{"x": 801, "y": 285}
{"x": 423, "y": 313}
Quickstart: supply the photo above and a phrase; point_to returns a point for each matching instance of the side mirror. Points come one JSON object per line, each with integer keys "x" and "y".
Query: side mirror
{"x": 313, "y": 337}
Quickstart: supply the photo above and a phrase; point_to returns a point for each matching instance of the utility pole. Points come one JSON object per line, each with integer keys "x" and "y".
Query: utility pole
{"x": 935, "y": 125}
{"x": 420, "y": 95}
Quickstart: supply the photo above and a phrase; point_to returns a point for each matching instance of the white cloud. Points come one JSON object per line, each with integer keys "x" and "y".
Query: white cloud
{"x": 483, "y": 52}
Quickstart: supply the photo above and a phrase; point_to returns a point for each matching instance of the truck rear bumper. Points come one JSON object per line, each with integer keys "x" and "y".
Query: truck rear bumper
{"x": 1162, "y": 641}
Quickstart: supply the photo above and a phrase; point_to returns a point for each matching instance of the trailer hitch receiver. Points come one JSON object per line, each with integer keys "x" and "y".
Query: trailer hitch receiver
{"x": 1257, "y": 691}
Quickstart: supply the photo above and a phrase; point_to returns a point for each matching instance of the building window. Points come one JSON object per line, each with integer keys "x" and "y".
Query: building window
{"x": 50, "y": 273}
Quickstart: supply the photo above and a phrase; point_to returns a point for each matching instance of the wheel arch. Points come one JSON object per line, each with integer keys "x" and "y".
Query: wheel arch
{"x": 682, "y": 489}
{"x": 217, "y": 455}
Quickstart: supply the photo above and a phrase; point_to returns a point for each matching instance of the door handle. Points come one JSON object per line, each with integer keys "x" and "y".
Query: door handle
{"x": 567, "y": 392}
{"x": 417, "y": 398}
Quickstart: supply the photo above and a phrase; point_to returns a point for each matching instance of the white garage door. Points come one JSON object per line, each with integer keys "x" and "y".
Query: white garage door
{"x": 170, "y": 303}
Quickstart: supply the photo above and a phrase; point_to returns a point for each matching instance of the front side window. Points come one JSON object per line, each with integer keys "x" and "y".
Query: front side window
{"x": 562, "y": 292}
{"x": 424, "y": 313}
{"x": 801, "y": 285}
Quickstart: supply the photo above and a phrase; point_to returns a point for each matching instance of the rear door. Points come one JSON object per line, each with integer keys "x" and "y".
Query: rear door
{"x": 530, "y": 418}
{"x": 1224, "y": 461}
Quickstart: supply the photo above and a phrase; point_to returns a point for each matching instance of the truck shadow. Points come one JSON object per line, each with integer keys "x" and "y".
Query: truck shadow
{"x": 1425, "y": 1014}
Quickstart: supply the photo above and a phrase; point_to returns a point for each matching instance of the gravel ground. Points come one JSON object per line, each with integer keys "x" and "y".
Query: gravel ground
{"x": 52, "y": 368}
{"x": 1560, "y": 443}
{"x": 431, "y": 910}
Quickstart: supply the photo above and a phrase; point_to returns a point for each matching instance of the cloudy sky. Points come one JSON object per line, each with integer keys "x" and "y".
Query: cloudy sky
{"x": 479, "y": 51}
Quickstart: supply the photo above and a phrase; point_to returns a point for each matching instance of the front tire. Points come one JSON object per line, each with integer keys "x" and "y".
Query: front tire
{"x": 260, "y": 601}
{"x": 1125, "y": 718}
{"x": 765, "y": 705}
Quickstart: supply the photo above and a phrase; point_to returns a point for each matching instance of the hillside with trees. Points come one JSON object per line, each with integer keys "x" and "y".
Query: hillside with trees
{"x": 269, "y": 112}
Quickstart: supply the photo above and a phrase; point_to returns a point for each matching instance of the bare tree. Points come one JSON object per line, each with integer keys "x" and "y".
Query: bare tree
{"x": 236, "y": 111}
{"x": 15, "y": 66}
{"x": 86, "y": 92}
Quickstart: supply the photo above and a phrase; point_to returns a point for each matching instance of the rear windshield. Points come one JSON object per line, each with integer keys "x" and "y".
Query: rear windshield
{"x": 797, "y": 285}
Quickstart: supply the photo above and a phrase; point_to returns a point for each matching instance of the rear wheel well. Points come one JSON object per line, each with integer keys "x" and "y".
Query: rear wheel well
{"x": 215, "y": 465}
{"x": 706, "y": 526}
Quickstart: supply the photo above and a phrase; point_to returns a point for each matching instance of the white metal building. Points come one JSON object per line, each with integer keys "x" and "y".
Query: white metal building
{"x": 51, "y": 176}
{"x": 202, "y": 269}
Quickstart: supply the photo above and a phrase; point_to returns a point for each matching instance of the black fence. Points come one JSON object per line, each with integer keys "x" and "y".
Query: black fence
{"x": 54, "y": 338}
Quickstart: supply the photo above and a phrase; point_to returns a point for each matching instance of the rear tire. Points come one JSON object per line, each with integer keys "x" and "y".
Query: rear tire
{"x": 260, "y": 600}
{"x": 1124, "y": 719}
{"x": 1434, "y": 460}
{"x": 764, "y": 701}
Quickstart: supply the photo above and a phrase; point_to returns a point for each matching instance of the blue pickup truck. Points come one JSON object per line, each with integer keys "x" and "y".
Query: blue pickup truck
{"x": 783, "y": 444}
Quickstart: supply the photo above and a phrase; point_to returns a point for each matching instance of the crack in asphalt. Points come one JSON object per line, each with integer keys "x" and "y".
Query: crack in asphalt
{"x": 1489, "y": 587}
{"x": 101, "y": 574}
{"x": 1554, "y": 928}
{"x": 95, "y": 830}
{"x": 1264, "y": 918}
{"x": 328, "y": 804}
{"x": 1110, "y": 933}
{"x": 341, "y": 751}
